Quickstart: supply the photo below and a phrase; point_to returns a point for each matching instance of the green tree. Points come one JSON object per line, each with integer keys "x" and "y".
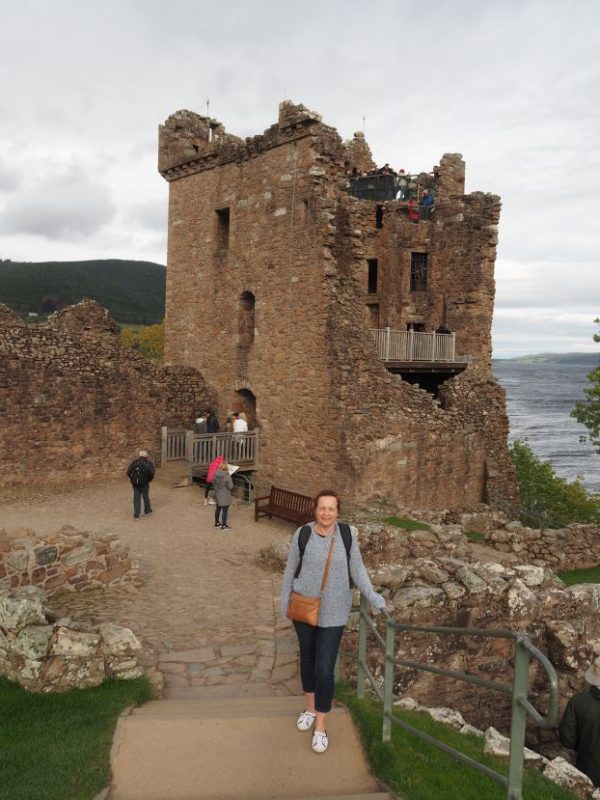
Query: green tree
{"x": 587, "y": 412}
{"x": 547, "y": 500}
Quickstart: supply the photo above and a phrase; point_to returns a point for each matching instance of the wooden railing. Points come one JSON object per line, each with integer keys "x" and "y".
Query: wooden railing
{"x": 173, "y": 444}
{"x": 414, "y": 345}
{"x": 236, "y": 448}
{"x": 200, "y": 449}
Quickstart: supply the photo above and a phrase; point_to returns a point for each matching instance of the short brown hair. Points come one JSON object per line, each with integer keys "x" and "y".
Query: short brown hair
{"x": 327, "y": 493}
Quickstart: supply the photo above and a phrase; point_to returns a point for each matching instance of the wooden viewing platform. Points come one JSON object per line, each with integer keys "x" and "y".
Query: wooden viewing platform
{"x": 418, "y": 351}
{"x": 199, "y": 449}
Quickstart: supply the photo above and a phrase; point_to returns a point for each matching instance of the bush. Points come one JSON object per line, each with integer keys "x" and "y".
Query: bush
{"x": 149, "y": 341}
{"x": 547, "y": 500}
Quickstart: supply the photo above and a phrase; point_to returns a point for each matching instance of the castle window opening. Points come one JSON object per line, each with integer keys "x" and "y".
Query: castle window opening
{"x": 222, "y": 228}
{"x": 379, "y": 217}
{"x": 372, "y": 276}
{"x": 418, "y": 272}
{"x": 246, "y": 319}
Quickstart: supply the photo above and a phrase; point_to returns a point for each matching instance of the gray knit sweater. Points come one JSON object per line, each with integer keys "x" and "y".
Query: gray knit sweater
{"x": 337, "y": 598}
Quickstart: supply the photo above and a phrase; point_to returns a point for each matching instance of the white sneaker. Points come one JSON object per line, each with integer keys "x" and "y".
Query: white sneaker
{"x": 320, "y": 742}
{"x": 305, "y": 721}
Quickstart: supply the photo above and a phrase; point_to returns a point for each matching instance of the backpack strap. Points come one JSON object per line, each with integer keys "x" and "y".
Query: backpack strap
{"x": 304, "y": 536}
{"x": 347, "y": 539}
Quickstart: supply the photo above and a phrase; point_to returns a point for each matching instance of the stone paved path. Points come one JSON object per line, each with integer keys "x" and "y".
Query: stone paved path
{"x": 207, "y": 614}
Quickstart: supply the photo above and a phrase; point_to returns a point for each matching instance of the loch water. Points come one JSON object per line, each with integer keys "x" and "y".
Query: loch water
{"x": 539, "y": 400}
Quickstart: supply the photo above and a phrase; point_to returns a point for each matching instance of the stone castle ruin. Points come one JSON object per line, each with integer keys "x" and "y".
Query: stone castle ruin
{"x": 281, "y": 288}
{"x": 76, "y": 404}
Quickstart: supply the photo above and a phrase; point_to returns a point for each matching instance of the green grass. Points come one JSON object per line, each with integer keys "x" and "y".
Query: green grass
{"x": 407, "y": 524}
{"x": 573, "y": 576}
{"x": 56, "y": 746}
{"x": 475, "y": 536}
{"x": 419, "y": 771}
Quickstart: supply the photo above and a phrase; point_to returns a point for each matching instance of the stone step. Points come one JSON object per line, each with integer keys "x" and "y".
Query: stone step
{"x": 235, "y": 750}
{"x": 225, "y": 691}
{"x": 216, "y": 708}
{"x": 376, "y": 796}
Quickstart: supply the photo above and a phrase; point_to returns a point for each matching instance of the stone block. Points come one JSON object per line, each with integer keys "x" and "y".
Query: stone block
{"x": 45, "y": 555}
{"x": 76, "y": 644}
{"x": 20, "y": 608}
{"x": 569, "y": 777}
{"x": 78, "y": 555}
{"x": 118, "y": 641}
{"x": 419, "y": 597}
{"x": 33, "y": 642}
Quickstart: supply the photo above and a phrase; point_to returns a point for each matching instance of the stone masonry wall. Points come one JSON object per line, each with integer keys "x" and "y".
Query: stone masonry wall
{"x": 574, "y": 547}
{"x": 269, "y": 219}
{"x": 68, "y": 560}
{"x": 76, "y": 405}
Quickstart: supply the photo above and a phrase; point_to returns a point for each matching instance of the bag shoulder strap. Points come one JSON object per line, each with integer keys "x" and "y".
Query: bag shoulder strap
{"x": 326, "y": 573}
{"x": 303, "y": 538}
{"x": 347, "y": 538}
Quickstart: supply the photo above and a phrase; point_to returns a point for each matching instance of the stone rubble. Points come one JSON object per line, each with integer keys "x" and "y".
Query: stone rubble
{"x": 68, "y": 560}
{"x": 45, "y": 654}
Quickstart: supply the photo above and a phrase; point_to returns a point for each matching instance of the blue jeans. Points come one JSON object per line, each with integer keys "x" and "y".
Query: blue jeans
{"x": 318, "y": 652}
{"x": 221, "y": 510}
{"x": 138, "y": 493}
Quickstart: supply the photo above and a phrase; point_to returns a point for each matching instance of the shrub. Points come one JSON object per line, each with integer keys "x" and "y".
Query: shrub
{"x": 547, "y": 500}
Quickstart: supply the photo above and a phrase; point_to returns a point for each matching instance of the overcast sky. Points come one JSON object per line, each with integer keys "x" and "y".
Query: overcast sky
{"x": 513, "y": 85}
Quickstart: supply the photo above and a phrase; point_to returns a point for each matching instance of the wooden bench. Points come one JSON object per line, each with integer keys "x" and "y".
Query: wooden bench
{"x": 288, "y": 505}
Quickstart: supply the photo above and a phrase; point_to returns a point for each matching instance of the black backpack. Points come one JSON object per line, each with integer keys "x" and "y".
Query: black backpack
{"x": 304, "y": 536}
{"x": 138, "y": 475}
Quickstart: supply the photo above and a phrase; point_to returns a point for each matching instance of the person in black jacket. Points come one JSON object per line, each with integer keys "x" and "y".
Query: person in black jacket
{"x": 212, "y": 422}
{"x": 579, "y": 727}
{"x": 140, "y": 473}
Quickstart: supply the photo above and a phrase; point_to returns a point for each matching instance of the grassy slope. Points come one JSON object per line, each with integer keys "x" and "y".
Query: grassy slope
{"x": 56, "y": 746}
{"x": 419, "y": 771}
{"x": 133, "y": 291}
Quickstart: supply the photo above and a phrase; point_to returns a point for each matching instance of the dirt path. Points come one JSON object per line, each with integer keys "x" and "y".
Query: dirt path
{"x": 204, "y": 595}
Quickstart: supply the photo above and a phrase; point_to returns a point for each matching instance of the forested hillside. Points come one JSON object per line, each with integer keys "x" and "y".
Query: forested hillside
{"x": 133, "y": 291}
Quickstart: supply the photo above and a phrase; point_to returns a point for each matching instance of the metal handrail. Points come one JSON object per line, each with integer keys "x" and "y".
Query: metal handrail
{"x": 520, "y": 706}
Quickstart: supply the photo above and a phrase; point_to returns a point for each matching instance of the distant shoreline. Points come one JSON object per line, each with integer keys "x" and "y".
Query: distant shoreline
{"x": 580, "y": 359}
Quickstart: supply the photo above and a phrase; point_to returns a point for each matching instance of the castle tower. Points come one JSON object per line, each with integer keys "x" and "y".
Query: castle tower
{"x": 279, "y": 268}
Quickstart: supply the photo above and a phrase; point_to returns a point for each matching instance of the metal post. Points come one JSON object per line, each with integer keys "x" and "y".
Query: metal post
{"x": 163, "y": 445}
{"x": 387, "y": 344}
{"x": 388, "y": 681}
{"x": 518, "y": 721}
{"x": 362, "y": 649}
{"x": 410, "y": 346}
{"x": 453, "y": 345}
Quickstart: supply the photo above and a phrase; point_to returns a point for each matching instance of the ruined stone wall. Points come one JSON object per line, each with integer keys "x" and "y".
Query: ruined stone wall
{"x": 574, "y": 547}
{"x": 430, "y": 578}
{"x": 76, "y": 405}
{"x": 66, "y": 561}
{"x": 297, "y": 243}
{"x": 44, "y": 653}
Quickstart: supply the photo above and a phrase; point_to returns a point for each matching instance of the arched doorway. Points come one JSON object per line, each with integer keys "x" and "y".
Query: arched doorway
{"x": 245, "y": 401}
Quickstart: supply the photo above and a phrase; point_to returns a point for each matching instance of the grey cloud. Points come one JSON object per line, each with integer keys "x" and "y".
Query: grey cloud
{"x": 70, "y": 204}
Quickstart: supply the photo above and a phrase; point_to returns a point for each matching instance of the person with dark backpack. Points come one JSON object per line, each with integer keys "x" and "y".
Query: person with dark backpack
{"x": 140, "y": 473}
{"x": 323, "y": 566}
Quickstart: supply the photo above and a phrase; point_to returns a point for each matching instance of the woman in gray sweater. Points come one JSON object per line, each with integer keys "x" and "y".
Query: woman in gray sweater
{"x": 319, "y": 644}
{"x": 223, "y": 485}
